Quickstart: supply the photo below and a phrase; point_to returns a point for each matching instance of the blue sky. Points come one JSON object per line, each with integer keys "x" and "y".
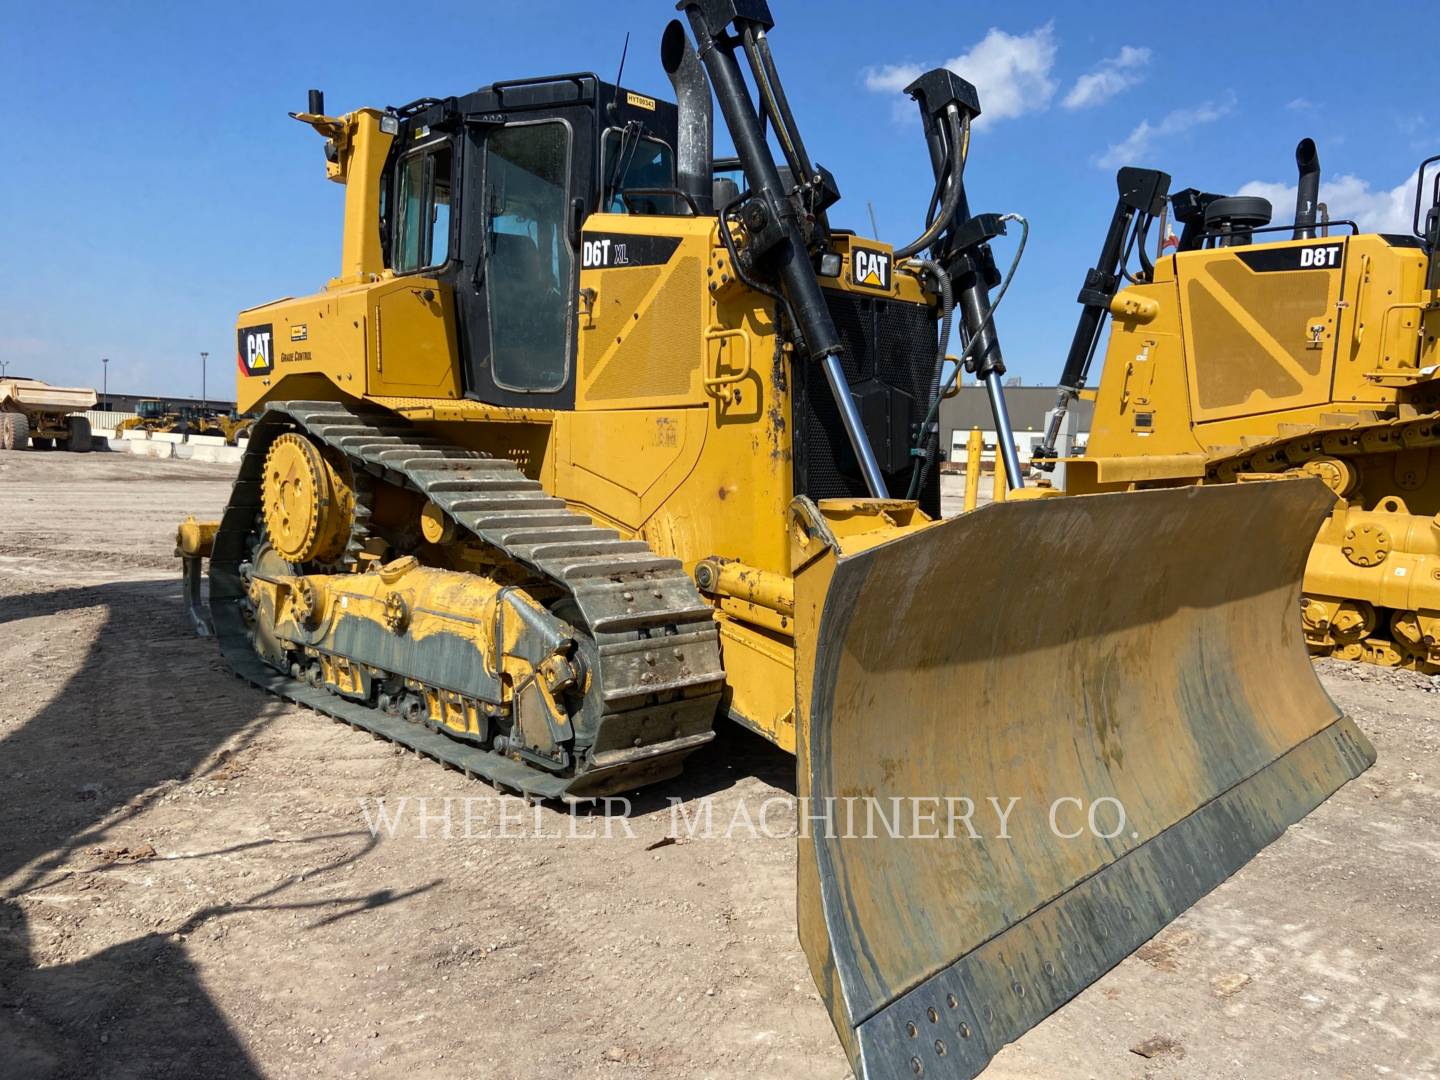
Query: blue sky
{"x": 155, "y": 185}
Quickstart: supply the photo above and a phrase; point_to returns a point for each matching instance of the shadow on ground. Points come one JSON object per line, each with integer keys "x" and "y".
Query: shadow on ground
{"x": 147, "y": 708}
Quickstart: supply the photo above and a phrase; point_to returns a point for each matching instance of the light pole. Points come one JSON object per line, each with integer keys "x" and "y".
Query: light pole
{"x": 203, "y": 402}
{"x": 3, "y": 365}
{"x": 105, "y": 380}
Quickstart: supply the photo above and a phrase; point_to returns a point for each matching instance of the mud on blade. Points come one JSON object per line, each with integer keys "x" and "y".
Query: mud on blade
{"x": 1141, "y": 648}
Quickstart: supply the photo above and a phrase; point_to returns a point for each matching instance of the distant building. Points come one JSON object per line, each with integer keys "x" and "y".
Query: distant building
{"x": 1027, "y": 405}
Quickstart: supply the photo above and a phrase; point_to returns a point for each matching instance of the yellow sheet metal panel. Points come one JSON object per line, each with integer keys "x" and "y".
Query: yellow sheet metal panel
{"x": 1260, "y": 327}
{"x": 355, "y": 153}
{"x": 413, "y": 348}
{"x": 1384, "y": 307}
{"x": 760, "y": 674}
{"x": 624, "y": 464}
{"x": 305, "y": 347}
{"x": 642, "y": 309}
{"x": 1087, "y": 474}
{"x": 361, "y": 149}
{"x": 1182, "y": 697}
{"x": 1142, "y": 405}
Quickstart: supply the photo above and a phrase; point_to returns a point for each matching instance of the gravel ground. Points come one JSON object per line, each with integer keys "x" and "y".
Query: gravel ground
{"x": 188, "y": 884}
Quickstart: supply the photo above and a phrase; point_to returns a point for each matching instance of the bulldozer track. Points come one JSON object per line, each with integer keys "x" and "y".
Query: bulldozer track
{"x": 633, "y": 604}
{"x": 1285, "y": 452}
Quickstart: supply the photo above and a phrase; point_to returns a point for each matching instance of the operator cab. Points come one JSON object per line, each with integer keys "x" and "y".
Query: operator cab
{"x": 488, "y": 194}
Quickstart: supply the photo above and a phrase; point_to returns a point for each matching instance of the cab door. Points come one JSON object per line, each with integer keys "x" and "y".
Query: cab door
{"x": 529, "y": 181}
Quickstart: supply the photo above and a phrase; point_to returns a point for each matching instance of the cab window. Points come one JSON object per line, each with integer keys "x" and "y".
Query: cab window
{"x": 630, "y": 161}
{"x": 422, "y": 205}
{"x": 529, "y": 263}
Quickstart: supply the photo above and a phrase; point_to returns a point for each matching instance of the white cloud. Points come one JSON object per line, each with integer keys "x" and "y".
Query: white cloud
{"x": 1111, "y": 76}
{"x": 1347, "y": 198}
{"x": 1011, "y": 72}
{"x": 890, "y": 78}
{"x": 1137, "y": 144}
{"x": 1300, "y": 104}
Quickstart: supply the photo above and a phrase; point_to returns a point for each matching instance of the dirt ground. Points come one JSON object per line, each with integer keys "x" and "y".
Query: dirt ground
{"x": 188, "y": 885}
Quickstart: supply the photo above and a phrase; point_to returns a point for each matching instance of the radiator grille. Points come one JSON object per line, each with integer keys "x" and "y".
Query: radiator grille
{"x": 887, "y": 341}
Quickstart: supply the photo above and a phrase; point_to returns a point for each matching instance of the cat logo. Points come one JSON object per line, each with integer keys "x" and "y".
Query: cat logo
{"x": 870, "y": 267}
{"x": 255, "y": 350}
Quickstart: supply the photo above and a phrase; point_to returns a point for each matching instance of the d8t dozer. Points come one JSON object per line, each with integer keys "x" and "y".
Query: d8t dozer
{"x": 588, "y": 445}
{"x": 1257, "y": 351}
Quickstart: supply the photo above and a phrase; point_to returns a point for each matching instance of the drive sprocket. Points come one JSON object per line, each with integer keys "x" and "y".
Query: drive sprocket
{"x": 308, "y": 501}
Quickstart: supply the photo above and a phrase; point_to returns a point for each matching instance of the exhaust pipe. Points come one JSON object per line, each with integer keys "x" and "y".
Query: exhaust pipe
{"x": 1307, "y": 195}
{"x": 692, "y": 97}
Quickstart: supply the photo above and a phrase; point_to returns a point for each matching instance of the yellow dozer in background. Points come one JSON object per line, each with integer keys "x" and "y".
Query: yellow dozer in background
{"x": 158, "y": 415}
{"x": 1257, "y": 351}
{"x": 595, "y": 442}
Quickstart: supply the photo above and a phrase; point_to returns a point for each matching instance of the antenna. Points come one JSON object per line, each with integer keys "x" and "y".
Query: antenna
{"x": 874, "y": 229}
{"x": 624, "y": 50}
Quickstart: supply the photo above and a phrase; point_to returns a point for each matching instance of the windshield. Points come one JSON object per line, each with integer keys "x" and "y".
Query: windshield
{"x": 632, "y": 161}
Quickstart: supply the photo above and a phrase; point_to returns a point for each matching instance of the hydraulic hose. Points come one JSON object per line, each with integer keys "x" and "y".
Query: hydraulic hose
{"x": 960, "y": 149}
{"x": 927, "y": 444}
{"x": 978, "y": 334}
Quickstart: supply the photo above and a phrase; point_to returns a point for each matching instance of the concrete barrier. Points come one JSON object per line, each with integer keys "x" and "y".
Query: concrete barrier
{"x": 150, "y": 448}
{"x": 221, "y": 454}
{"x": 211, "y": 449}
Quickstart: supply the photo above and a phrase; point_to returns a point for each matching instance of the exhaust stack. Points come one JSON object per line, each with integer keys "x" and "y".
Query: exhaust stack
{"x": 692, "y": 97}
{"x": 1307, "y": 195}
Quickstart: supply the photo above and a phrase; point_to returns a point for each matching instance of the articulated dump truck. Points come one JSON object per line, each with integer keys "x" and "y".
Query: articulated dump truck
{"x": 1303, "y": 350}
{"x": 596, "y": 442}
{"x": 36, "y": 414}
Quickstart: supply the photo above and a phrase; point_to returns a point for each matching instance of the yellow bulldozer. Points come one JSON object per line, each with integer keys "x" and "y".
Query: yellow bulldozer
{"x": 1258, "y": 350}
{"x": 597, "y": 441}
{"x": 159, "y": 415}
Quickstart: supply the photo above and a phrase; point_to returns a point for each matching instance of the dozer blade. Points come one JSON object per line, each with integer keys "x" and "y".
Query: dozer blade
{"x": 1137, "y": 650}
